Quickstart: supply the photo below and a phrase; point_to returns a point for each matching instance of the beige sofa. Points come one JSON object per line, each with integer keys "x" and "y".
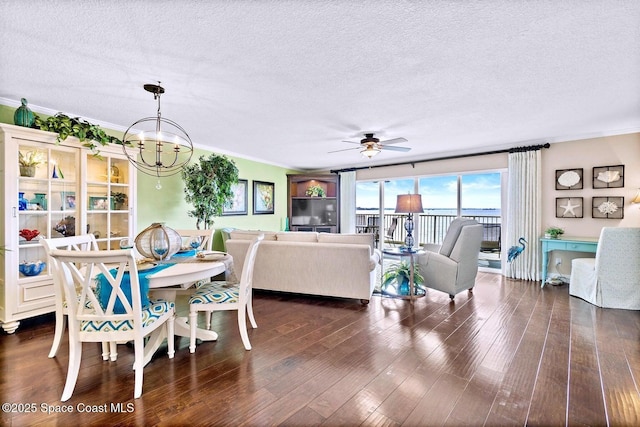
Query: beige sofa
{"x": 326, "y": 264}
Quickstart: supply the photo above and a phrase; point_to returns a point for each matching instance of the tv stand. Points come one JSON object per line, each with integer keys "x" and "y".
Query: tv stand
{"x": 313, "y": 203}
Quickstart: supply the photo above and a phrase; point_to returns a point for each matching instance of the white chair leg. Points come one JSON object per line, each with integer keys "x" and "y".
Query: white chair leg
{"x": 193, "y": 324}
{"x": 113, "y": 350}
{"x": 61, "y": 324}
{"x": 208, "y": 315}
{"x": 138, "y": 366}
{"x": 75, "y": 356}
{"x": 171, "y": 336}
{"x": 250, "y": 313}
{"x": 242, "y": 325}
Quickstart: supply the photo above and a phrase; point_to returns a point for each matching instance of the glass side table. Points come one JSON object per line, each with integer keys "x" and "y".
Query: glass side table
{"x": 398, "y": 291}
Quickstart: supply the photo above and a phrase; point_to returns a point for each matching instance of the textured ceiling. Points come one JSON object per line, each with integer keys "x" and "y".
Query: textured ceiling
{"x": 286, "y": 81}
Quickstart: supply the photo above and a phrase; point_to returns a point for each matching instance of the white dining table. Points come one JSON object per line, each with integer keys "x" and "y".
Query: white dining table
{"x": 168, "y": 283}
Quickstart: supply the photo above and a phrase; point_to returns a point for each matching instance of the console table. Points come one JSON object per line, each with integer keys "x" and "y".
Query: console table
{"x": 573, "y": 244}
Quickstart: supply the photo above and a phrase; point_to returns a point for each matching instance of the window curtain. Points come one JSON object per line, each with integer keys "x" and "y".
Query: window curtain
{"x": 524, "y": 213}
{"x": 348, "y": 202}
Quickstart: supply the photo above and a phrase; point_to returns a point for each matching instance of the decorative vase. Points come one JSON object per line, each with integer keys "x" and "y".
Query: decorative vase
{"x": 22, "y": 202}
{"x": 29, "y": 171}
{"x": 115, "y": 174}
{"x": 40, "y": 200}
{"x": 23, "y": 115}
{"x": 404, "y": 288}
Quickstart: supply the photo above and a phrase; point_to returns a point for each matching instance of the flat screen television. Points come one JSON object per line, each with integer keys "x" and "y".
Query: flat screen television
{"x": 313, "y": 211}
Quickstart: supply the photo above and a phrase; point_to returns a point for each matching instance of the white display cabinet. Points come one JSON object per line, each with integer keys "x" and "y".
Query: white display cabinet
{"x": 71, "y": 192}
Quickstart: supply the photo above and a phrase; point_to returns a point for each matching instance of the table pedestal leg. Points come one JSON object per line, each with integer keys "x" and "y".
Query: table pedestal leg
{"x": 183, "y": 330}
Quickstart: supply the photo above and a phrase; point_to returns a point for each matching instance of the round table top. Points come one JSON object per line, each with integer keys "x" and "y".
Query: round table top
{"x": 402, "y": 251}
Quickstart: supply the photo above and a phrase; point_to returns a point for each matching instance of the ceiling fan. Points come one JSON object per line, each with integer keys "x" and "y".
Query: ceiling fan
{"x": 369, "y": 146}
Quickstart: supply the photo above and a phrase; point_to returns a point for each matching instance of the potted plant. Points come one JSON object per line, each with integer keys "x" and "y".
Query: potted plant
{"x": 315, "y": 191}
{"x": 553, "y": 232}
{"x": 28, "y": 162}
{"x": 118, "y": 200}
{"x": 86, "y": 132}
{"x": 208, "y": 187}
{"x": 400, "y": 274}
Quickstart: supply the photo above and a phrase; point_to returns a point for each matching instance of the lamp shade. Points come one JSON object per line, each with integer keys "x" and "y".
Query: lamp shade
{"x": 409, "y": 203}
{"x": 636, "y": 199}
{"x": 370, "y": 151}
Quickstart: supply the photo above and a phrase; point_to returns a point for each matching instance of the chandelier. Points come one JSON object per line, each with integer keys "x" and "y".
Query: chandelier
{"x": 155, "y": 145}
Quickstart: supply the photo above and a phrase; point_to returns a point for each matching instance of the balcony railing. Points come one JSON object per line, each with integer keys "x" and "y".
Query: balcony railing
{"x": 428, "y": 229}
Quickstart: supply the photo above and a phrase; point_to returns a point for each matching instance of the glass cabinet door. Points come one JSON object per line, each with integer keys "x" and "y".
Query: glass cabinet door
{"x": 46, "y": 206}
{"x": 108, "y": 196}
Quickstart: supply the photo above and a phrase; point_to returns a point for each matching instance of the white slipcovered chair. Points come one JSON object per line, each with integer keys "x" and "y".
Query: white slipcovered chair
{"x": 452, "y": 267}
{"x": 612, "y": 278}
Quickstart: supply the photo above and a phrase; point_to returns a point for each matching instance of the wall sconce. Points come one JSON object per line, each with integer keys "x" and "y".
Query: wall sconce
{"x": 636, "y": 199}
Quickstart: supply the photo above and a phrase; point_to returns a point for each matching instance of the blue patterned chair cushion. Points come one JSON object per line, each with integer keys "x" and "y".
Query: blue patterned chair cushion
{"x": 103, "y": 288}
{"x": 150, "y": 314}
{"x": 87, "y": 303}
{"x": 215, "y": 293}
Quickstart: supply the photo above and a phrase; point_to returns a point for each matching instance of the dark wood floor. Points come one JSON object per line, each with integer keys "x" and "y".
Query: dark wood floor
{"x": 508, "y": 354}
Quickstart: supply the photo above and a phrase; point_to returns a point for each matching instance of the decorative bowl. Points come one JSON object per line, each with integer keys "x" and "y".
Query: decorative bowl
{"x": 32, "y": 268}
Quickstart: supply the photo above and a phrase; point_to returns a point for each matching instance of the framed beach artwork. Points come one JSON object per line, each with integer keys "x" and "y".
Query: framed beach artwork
{"x": 607, "y": 207}
{"x": 263, "y": 193}
{"x": 238, "y": 204}
{"x": 569, "y": 207}
{"x": 608, "y": 176}
{"x": 569, "y": 179}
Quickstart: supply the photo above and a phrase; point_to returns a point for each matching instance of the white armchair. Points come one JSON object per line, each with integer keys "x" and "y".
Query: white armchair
{"x": 452, "y": 267}
{"x": 611, "y": 279}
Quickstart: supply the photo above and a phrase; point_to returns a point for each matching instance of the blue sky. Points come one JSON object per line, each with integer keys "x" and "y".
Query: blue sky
{"x": 479, "y": 191}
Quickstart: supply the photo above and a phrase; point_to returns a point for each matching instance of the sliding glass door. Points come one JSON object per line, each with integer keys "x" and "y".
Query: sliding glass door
{"x": 444, "y": 198}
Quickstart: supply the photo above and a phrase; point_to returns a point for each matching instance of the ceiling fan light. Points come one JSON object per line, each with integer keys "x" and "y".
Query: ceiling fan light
{"x": 370, "y": 151}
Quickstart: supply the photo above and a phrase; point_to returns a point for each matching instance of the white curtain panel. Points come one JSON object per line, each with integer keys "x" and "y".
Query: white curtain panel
{"x": 348, "y": 202}
{"x": 524, "y": 213}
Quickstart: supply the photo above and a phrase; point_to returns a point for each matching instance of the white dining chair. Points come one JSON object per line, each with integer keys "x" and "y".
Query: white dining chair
{"x": 84, "y": 242}
{"x": 110, "y": 311}
{"x": 203, "y": 238}
{"x": 218, "y": 297}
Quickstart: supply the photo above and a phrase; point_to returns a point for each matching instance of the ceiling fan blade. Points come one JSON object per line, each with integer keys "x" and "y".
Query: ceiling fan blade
{"x": 351, "y": 142}
{"x": 384, "y": 147}
{"x": 346, "y": 149}
{"x": 393, "y": 141}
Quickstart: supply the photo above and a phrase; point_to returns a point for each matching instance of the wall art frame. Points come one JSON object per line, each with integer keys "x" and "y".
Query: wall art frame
{"x": 263, "y": 197}
{"x": 569, "y": 179}
{"x": 238, "y": 205}
{"x": 607, "y": 207}
{"x": 608, "y": 176}
{"x": 569, "y": 207}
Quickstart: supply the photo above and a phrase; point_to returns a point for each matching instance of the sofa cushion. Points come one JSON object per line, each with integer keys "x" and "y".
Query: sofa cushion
{"x": 349, "y": 238}
{"x": 297, "y": 236}
{"x": 252, "y": 234}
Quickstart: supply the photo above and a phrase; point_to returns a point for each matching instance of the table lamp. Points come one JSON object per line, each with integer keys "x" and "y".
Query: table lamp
{"x": 409, "y": 204}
